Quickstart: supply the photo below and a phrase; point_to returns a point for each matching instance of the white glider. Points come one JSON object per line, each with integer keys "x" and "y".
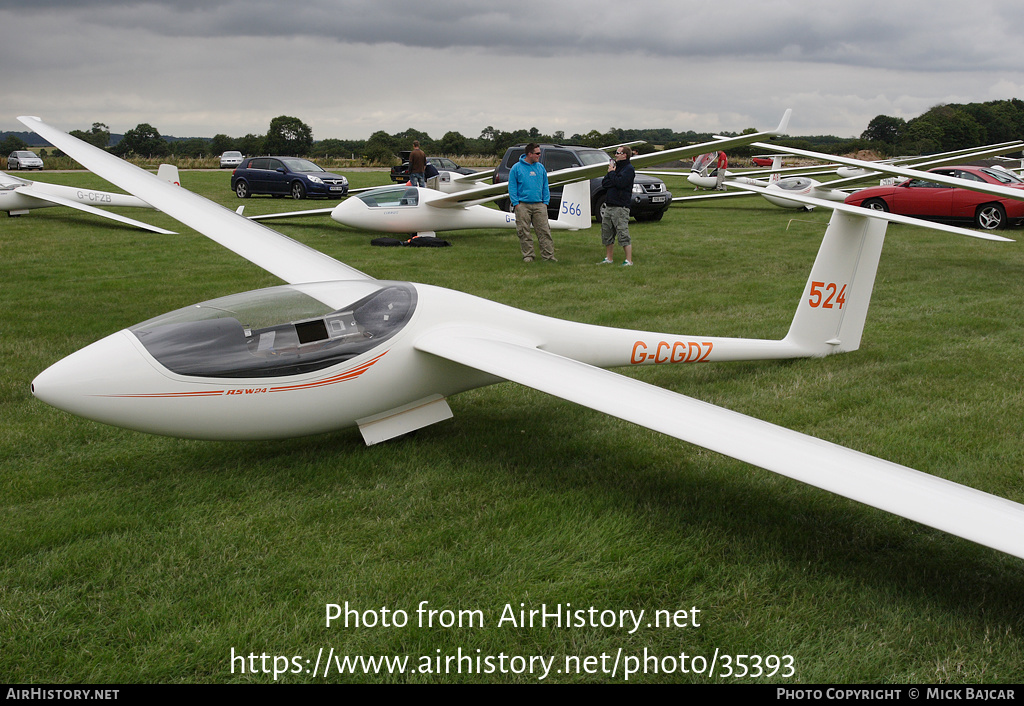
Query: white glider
{"x": 19, "y": 196}
{"x": 782, "y": 185}
{"x": 335, "y": 348}
{"x": 410, "y": 209}
{"x": 916, "y": 173}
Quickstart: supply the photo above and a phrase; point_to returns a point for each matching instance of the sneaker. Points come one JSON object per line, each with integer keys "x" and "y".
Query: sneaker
{"x": 527, "y": 259}
{"x": 605, "y": 261}
{"x": 627, "y": 263}
{"x": 550, "y": 259}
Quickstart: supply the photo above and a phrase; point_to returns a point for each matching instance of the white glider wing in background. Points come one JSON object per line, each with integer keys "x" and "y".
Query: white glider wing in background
{"x": 906, "y": 172}
{"x": 384, "y": 356}
{"x": 786, "y": 183}
{"x": 288, "y": 259}
{"x": 19, "y": 196}
{"x": 410, "y": 209}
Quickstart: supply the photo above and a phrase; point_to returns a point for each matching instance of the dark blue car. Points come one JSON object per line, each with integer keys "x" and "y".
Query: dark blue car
{"x": 284, "y": 176}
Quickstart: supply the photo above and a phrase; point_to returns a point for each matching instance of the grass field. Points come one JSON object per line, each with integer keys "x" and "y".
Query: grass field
{"x": 133, "y": 558}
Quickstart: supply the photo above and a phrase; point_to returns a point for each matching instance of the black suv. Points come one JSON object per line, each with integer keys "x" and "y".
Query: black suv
{"x": 650, "y": 196}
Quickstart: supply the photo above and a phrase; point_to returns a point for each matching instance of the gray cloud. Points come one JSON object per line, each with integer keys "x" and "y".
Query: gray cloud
{"x": 349, "y": 67}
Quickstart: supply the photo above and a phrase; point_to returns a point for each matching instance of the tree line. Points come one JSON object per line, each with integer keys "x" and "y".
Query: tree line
{"x": 948, "y": 127}
{"x": 942, "y": 128}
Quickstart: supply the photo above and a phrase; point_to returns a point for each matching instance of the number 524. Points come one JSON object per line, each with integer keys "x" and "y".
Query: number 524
{"x": 827, "y": 296}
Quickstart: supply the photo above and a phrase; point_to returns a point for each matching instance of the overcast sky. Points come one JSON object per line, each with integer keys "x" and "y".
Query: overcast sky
{"x": 348, "y": 69}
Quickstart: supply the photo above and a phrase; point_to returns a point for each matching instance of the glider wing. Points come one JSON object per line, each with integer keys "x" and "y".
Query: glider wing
{"x": 60, "y": 201}
{"x": 288, "y": 259}
{"x": 983, "y": 518}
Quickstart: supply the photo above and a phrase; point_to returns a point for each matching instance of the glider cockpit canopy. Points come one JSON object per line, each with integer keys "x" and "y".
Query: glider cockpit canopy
{"x": 391, "y": 196}
{"x": 278, "y": 331}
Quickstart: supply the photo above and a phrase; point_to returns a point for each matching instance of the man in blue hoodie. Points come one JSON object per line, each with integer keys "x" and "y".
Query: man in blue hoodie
{"x": 528, "y": 192}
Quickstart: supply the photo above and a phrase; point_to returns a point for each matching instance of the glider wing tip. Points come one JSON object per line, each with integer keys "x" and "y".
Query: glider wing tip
{"x": 784, "y": 123}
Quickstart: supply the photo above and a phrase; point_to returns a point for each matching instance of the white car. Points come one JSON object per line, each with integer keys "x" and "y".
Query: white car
{"x": 22, "y": 159}
{"x": 230, "y": 160}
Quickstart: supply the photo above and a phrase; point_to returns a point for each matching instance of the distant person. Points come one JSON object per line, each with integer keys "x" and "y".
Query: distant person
{"x": 529, "y": 194}
{"x": 417, "y": 165}
{"x": 615, "y": 211}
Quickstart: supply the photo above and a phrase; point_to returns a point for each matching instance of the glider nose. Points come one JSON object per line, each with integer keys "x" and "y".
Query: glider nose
{"x": 89, "y": 382}
{"x": 703, "y": 182}
{"x": 850, "y": 172}
{"x": 350, "y": 212}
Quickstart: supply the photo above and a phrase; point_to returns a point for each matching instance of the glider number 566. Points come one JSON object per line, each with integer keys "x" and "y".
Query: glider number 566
{"x": 827, "y": 296}
{"x": 571, "y": 208}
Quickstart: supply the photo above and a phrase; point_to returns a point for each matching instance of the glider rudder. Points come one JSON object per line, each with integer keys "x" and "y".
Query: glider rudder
{"x": 834, "y": 305}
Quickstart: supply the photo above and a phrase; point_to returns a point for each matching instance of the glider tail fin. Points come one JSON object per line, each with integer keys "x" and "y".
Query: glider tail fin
{"x": 169, "y": 172}
{"x": 776, "y": 166}
{"x": 834, "y": 305}
{"x": 574, "y": 213}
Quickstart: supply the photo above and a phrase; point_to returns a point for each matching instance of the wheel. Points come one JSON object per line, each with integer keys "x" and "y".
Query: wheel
{"x": 242, "y": 190}
{"x": 595, "y": 208}
{"x": 298, "y": 190}
{"x": 991, "y": 216}
{"x": 876, "y": 205}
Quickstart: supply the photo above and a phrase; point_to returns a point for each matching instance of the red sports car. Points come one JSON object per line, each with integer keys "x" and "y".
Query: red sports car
{"x": 926, "y": 199}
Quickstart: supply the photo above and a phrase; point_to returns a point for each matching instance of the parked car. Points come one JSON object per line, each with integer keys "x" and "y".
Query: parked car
{"x": 230, "y": 160}
{"x": 283, "y": 176}
{"x": 23, "y": 159}
{"x": 400, "y": 174}
{"x": 651, "y": 198}
{"x": 926, "y": 199}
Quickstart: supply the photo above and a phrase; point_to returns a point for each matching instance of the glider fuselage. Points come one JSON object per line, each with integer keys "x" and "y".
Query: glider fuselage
{"x": 12, "y": 200}
{"x": 408, "y": 209}
{"x": 777, "y": 190}
{"x": 278, "y": 363}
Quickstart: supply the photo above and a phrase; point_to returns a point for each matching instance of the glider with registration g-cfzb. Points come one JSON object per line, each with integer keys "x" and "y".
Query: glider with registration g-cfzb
{"x": 19, "y": 196}
{"x": 335, "y": 347}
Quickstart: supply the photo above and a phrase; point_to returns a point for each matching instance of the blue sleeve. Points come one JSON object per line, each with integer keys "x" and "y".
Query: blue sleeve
{"x": 545, "y": 192}
{"x": 513, "y": 185}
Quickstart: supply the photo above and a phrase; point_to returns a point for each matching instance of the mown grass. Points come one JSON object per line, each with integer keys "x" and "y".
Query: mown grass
{"x": 133, "y": 558}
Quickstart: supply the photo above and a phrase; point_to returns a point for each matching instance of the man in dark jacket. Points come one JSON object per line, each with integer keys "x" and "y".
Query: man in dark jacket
{"x": 417, "y": 165}
{"x": 615, "y": 212}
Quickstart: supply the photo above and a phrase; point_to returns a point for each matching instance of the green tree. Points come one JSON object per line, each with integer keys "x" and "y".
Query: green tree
{"x": 338, "y": 148}
{"x": 403, "y": 140}
{"x": 98, "y": 135}
{"x": 11, "y": 143}
{"x": 921, "y": 137}
{"x": 884, "y": 128}
{"x": 379, "y": 149}
{"x": 250, "y": 145}
{"x": 452, "y": 143}
{"x": 221, "y": 143}
{"x": 288, "y": 136}
{"x": 143, "y": 140}
{"x": 191, "y": 147}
